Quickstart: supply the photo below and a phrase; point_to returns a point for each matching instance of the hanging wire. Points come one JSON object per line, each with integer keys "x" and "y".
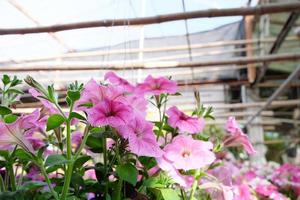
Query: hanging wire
{"x": 188, "y": 41}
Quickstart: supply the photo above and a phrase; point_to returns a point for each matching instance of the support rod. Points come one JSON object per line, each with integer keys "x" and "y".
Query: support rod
{"x": 258, "y": 10}
{"x": 281, "y": 88}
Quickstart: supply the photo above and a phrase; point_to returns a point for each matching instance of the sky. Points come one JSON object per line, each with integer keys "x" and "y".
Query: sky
{"x": 49, "y": 12}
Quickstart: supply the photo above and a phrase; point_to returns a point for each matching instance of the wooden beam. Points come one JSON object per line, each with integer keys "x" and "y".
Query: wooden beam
{"x": 279, "y": 40}
{"x": 251, "y": 70}
{"x": 83, "y": 66}
{"x": 258, "y": 10}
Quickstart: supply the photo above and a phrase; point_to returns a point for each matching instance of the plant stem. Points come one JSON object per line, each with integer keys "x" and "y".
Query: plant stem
{"x": 48, "y": 181}
{"x": 85, "y": 136}
{"x": 12, "y": 177}
{"x": 183, "y": 194}
{"x": 195, "y": 184}
{"x": 2, "y": 186}
{"x": 120, "y": 181}
{"x": 105, "y": 164}
{"x": 69, "y": 172}
{"x": 119, "y": 189}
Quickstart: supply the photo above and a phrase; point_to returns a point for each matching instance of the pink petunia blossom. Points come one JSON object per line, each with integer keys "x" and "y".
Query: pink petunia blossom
{"x": 265, "y": 189}
{"x": 12, "y": 134}
{"x": 141, "y": 137}
{"x": 183, "y": 122}
{"x": 94, "y": 93}
{"x": 118, "y": 81}
{"x": 185, "y": 181}
{"x": 237, "y": 136}
{"x": 157, "y": 86}
{"x": 109, "y": 112}
{"x": 35, "y": 174}
{"x": 242, "y": 192}
{"x": 186, "y": 153}
{"x": 33, "y": 122}
{"x": 76, "y": 138}
{"x": 90, "y": 174}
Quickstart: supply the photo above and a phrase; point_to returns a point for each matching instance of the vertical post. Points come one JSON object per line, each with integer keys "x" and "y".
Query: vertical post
{"x": 249, "y": 47}
{"x": 255, "y": 130}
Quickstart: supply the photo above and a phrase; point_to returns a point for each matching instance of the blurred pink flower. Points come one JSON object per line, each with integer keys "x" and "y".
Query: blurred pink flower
{"x": 265, "y": 189}
{"x": 110, "y": 143}
{"x": 35, "y": 174}
{"x": 237, "y": 136}
{"x": 157, "y": 86}
{"x": 186, "y": 153}
{"x": 118, "y": 81}
{"x": 242, "y": 192}
{"x": 76, "y": 138}
{"x": 141, "y": 137}
{"x": 13, "y": 134}
{"x": 33, "y": 122}
{"x": 183, "y": 122}
{"x": 90, "y": 174}
{"x": 109, "y": 112}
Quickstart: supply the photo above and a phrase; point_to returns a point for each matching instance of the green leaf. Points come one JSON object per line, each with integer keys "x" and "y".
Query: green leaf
{"x": 4, "y": 153}
{"x": 5, "y": 79}
{"x": 73, "y": 95}
{"x": 76, "y": 115}
{"x": 10, "y": 118}
{"x": 55, "y": 159}
{"x": 15, "y": 91}
{"x": 33, "y": 185}
{"x": 5, "y": 110}
{"x": 170, "y": 194}
{"x": 127, "y": 172}
{"x": 80, "y": 161}
{"x": 23, "y": 155}
{"x": 54, "y": 121}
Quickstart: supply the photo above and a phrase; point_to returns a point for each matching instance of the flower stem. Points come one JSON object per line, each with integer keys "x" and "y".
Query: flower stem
{"x": 105, "y": 164}
{"x": 195, "y": 184}
{"x": 12, "y": 177}
{"x": 119, "y": 189}
{"x": 69, "y": 172}
{"x": 183, "y": 194}
{"x": 120, "y": 181}
{"x": 48, "y": 181}
{"x": 2, "y": 186}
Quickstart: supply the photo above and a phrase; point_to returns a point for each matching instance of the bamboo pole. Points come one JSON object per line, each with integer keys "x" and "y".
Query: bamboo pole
{"x": 258, "y": 10}
{"x": 83, "y": 66}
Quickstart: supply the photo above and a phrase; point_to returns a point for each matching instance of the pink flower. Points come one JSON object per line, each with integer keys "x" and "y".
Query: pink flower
{"x": 186, "y": 153}
{"x": 35, "y": 174}
{"x": 183, "y": 122}
{"x": 90, "y": 174}
{"x": 13, "y": 134}
{"x": 109, "y": 112}
{"x": 242, "y": 192}
{"x": 265, "y": 189}
{"x": 76, "y": 138}
{"x": 141, "y": 138}
{"x": 184, "y": 181}
{"x": 237, "y": 136}
{"x": 33, "y": 121}
{"x": 116, "y": 80}
{"x": 157, "y": 86}
{"x": 138, "y": 104}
